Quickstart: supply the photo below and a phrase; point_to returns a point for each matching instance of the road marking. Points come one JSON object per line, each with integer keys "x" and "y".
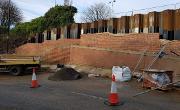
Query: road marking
{"x": 88, "y": 95}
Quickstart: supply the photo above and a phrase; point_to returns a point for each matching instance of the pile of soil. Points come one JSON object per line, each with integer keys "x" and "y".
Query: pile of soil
{"x": 65, "y": 74}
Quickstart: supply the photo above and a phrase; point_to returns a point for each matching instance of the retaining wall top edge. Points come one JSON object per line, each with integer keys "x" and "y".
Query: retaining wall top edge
{"x": 125, "y": 52}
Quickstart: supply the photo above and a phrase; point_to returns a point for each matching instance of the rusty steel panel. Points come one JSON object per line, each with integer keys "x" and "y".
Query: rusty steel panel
{"x": 119, "y": 25}
{"x": 85, "y": 28}
{"x": 39, "y": 37}
{"x": 53, "y": 33}
{"x": 154, "y": 22}
{"x": 112, "y": 25}
{"x": 177, "y": 34}
{"x": 131, "y": 24}
{"x": 32, "y": 40}
{"x": 54, "y": 30}
{"x": 167, "y": 20}
{"x": 112, "y": 22}
{"x": 102, "y": 26}
{"x": 58, "y": 36}
{"x": 75, "y": 30}
{"x": 145, "y": 20}
{"x": 102, "y": 23}
{"x": 145, "y": 23}
{"x": 177, "y": 25}
{"x": 123, "y": 24}
{"x": 62, "y": 32}
{"x": 45, "y": 35}
{"x": 138, "y": 21}
{"x": 85, "y": 25}
{"x": 94, "y": 24}
{"x": 36, "y": 38}
{"x": 177, "y": 20}
{"x": 74, "y": 26}
{"x": 48, "y": 35}
{"x": 67, "y": 31}
{"x": 154, "y": 19}
{"x": 94, "y": 27}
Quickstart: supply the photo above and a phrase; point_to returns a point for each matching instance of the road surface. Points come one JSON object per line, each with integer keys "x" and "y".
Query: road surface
{"x": 83, "y": 94}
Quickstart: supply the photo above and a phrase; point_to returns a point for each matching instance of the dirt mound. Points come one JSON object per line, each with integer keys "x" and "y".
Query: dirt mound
{"x": 65, "y": 74}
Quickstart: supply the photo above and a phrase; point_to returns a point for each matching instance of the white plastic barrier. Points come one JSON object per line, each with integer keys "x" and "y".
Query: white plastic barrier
{"x": 121, "y": 74}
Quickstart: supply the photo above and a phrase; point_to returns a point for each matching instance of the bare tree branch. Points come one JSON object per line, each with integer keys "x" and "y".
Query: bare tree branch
{"x": 96, "y": 12}
{"x": 15, "y": 13}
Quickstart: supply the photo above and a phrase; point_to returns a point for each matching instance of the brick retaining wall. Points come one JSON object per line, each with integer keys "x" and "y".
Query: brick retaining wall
{"x": 105, "y": 50}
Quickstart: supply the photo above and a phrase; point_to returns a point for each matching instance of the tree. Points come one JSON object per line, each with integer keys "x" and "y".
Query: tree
{"x": 10, "y": 14}
{"x": 60, "y": 16}
{"x": 96, "y": 12}
{"x": 21, "y": 29}
{"x": 37, "y": 25}
{"x": 56, "y": 17}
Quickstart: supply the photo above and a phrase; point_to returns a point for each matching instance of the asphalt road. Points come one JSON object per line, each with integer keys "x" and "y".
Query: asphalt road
{"x": 83, "y": 94}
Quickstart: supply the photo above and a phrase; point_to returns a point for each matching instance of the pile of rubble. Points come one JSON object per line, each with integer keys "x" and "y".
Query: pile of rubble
{"x": 65, "y": 74}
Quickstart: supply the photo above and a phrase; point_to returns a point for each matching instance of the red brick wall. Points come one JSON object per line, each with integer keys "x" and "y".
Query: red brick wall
{"x": 173, "y": 46}
{"x": 128, "y": 42}
{"x": 59, "y": 55}
{"x": 51, "y": 52}
{"x": 106, "y": 59}
{"x": 29, "y": 49}
{"x": 104, "y": 50}
{"x": 100, "y": 57}
{"x": 133, "y": 42}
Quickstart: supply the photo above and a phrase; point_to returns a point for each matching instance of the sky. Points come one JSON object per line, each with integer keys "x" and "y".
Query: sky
{"x": 34, "y": 8}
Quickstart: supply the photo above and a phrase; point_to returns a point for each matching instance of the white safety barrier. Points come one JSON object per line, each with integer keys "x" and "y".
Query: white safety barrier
{"x": 121, "y": 73}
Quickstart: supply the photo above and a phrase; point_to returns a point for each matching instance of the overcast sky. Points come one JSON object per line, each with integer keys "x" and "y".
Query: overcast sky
{"x": 35, "y": 8}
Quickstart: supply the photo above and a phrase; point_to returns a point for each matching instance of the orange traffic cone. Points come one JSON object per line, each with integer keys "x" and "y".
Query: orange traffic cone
{"x": 113, "y": 98}
{"x": 34, "y": 83}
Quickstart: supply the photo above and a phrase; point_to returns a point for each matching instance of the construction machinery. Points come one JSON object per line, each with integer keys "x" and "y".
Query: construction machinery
{"x": 16, "y": 65}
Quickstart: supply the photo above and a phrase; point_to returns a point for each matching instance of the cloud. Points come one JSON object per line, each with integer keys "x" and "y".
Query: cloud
{"x": 33, "y": 8}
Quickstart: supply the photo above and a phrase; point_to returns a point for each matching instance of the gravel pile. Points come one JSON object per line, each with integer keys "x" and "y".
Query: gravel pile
{"x": 65, "y": 74}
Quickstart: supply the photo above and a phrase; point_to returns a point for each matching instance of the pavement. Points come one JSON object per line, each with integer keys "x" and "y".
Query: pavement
{"x": 84, "y": 94}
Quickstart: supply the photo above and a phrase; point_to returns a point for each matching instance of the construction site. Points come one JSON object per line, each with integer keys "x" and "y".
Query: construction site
{"x": 127, "y": 62}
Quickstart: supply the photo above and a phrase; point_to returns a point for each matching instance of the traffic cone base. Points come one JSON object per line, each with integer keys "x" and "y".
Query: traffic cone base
{"x": 34, "y": 84}
{"x": 113, "y": 99}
